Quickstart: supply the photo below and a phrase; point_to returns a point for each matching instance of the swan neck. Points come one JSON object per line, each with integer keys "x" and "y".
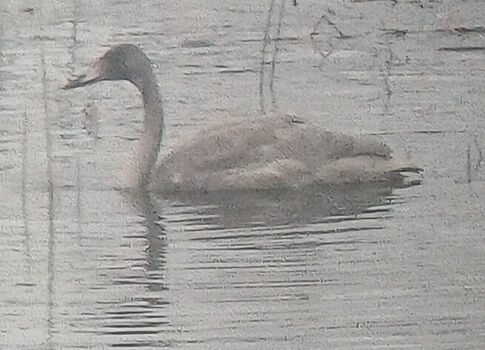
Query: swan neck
{"x": 150, "y": 139}
{"x": 152, "y": 101}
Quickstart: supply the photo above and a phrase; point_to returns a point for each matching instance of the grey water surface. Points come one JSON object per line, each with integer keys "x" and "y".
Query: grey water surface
{"x": 83, "y": 266}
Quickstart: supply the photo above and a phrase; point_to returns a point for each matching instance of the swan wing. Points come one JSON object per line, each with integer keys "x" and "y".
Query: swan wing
{"x": 261, "y": 151}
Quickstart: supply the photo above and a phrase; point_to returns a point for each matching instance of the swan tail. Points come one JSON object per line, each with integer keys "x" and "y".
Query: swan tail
{"x": 409, "y": 175}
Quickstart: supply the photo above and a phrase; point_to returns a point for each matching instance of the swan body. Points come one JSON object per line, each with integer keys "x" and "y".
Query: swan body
{"x": 269, "y": 151}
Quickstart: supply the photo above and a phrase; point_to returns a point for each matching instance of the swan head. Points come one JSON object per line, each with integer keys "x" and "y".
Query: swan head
{"x": 122, "y": 62}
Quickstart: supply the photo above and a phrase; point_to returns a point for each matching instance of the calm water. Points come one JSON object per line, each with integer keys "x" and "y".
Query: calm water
{"x": 83, "y": 266}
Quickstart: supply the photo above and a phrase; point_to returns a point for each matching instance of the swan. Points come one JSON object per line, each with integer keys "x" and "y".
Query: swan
{"x": 266, "y": 152}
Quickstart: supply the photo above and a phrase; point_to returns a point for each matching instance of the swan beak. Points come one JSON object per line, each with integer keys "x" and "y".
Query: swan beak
{"x": 91, "y": 76}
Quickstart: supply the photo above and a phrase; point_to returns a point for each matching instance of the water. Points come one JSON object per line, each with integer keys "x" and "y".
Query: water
{"x": 87, "y": 267}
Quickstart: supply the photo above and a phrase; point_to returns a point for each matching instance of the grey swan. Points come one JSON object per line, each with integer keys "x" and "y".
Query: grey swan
{"x": 265, "y": 152}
